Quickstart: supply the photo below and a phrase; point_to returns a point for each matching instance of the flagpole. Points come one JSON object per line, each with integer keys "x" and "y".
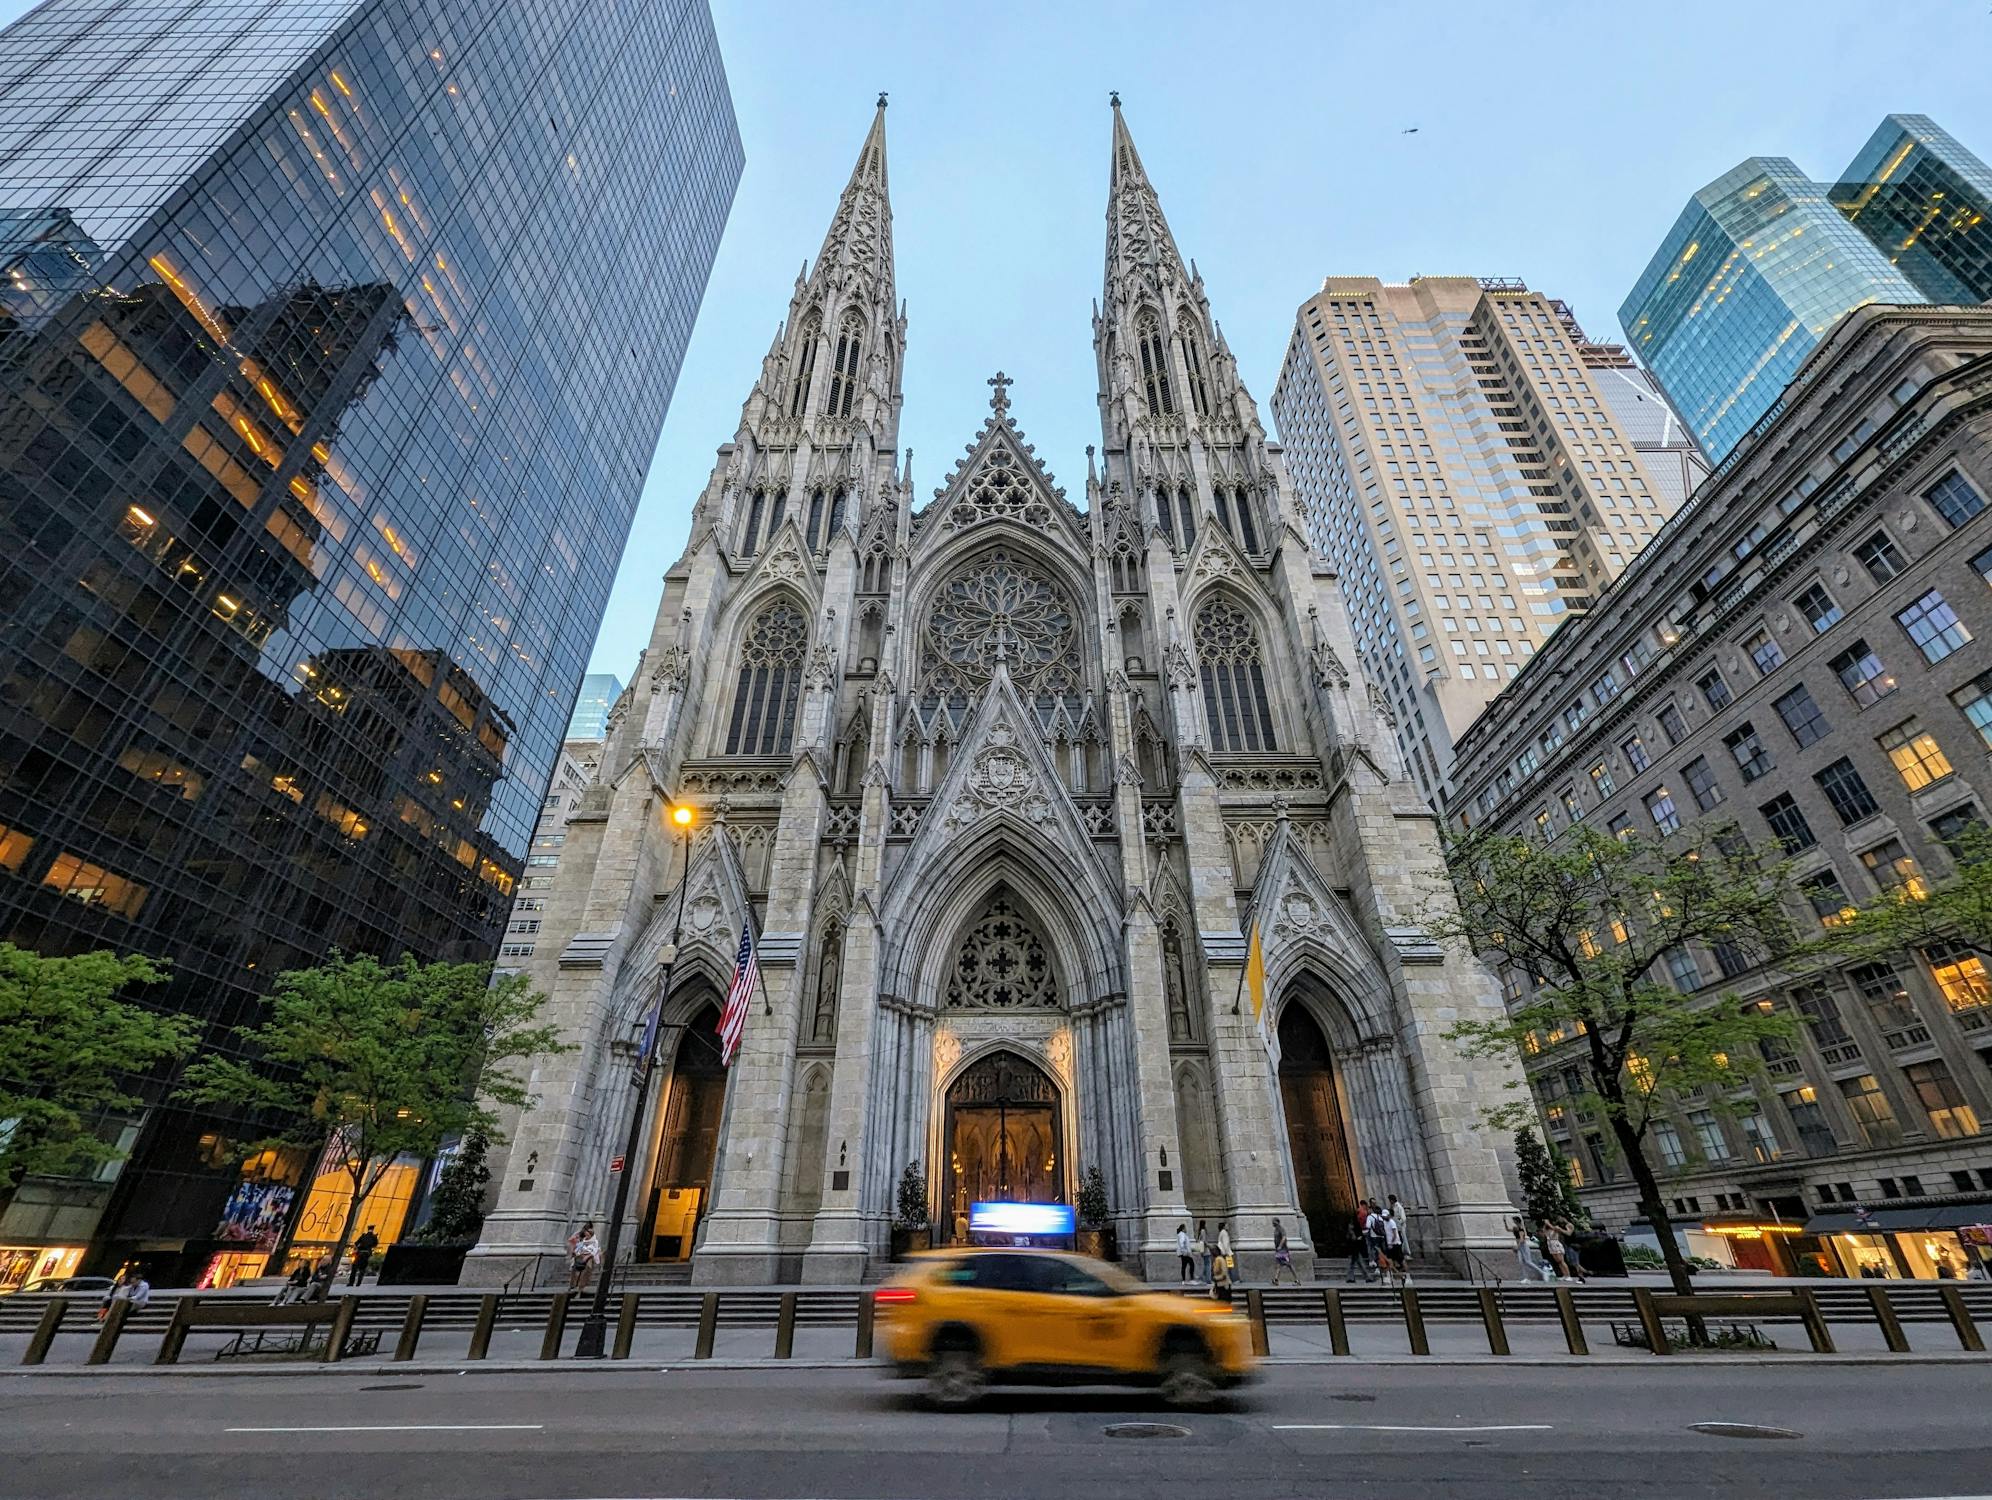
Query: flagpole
{"x": 1252, "y": 915}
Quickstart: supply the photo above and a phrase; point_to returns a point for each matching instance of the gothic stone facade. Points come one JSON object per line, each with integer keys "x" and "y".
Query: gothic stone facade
{"x": 1000, "y": 782}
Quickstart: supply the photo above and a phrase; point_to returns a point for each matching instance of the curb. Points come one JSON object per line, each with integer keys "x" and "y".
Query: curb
{"x": 691, "y": 1367}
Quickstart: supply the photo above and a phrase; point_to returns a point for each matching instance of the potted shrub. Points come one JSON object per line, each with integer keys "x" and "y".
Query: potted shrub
{"x": 1093, "y": 1211}
{"x": 910, "y": 1230}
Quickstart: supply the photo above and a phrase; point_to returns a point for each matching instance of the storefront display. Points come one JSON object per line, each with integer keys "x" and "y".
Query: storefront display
{"x": 23, "y": 1265}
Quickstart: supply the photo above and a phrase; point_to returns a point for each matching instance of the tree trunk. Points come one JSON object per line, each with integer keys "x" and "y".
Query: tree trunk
{"x": 353, "y": 1207}
{"x": 1653, "y": 1205}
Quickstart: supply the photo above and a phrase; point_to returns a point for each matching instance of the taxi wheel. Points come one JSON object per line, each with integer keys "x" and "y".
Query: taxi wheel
{"x": 1188, "y": 1379}
{"x": 955, "y": 1381}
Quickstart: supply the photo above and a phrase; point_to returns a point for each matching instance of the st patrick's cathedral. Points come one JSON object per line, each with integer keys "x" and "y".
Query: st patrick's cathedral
{"x": 1001, "y": 782}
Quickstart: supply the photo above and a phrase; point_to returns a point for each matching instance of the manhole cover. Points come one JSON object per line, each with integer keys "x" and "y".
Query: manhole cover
{"x": 413, "y": 1385}
{"x": 1352, "y": 1396}
{"x": 1742, "y": 1430}
{"x": 1146, "y": 1430}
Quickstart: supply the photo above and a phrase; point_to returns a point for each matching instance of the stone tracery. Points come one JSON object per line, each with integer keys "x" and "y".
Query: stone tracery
{"x": 1001, "y": 965}
{"x": 999, "y": 608}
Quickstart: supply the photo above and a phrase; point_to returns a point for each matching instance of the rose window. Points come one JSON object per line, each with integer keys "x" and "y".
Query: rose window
{"x": 1000, "y": 610}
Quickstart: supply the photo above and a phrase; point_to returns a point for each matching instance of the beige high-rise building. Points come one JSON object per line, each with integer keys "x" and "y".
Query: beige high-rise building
{"x": 1463, "y": 461}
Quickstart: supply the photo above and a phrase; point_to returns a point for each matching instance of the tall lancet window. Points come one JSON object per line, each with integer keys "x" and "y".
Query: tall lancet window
{"x": 1234, "y": 678}
{"x": 805, "y": 363}
{"x": 844, "y": 367}
{"x": 1246, "y": 505}
{"x": 1199, "y": 395}
{"x": 815, "y": 528}
{"x": 770, "y": 681}
{"x": 836, "y": 517}
{"x": 1154, "y": 364}
{"x": 1186, "y": 510}
{"x": 750, "y": 533}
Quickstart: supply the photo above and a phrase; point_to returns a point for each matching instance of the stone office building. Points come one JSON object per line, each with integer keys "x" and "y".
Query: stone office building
{"x": 1802, "y": 650}
{"x": 996, "y": 779}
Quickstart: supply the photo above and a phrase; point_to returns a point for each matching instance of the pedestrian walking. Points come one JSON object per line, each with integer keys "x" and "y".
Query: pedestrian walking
{"x": 1185, "y": 1262}
{"x": 1359, "y": 1264}
{"x": 1203, "y": 1250}
{"x": 1525, "y": 1255}
{"x": 584, "y": 1254}
{"x": 1224, "y": 1255}
{"x": 1396, "y": 1211}
{"x": 1552, "y": 1244}
{"x": 1220, "y": 1279}
{"x": 1373, "y": 1240}
{"x": 1282, "y": 1255}
{"x": 363, "y": 1250}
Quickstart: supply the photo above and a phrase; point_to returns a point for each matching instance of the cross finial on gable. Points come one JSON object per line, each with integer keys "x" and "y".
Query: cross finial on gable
{"x": 1000, "y": 402}
{"x": 1113, "y": 98}
{"x": 881, "y": 100}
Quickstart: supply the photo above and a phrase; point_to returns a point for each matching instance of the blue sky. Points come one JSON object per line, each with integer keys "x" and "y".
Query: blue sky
{"x": 1554, "y": 142}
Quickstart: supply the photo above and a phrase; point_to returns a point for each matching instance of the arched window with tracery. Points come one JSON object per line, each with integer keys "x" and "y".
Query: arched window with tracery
{"x": 805, "y": 363}
{"x": 1186, "y": 519}
{"x": 836, "y": 516}
{"x": 750, "y": 533}
{"x": 814, "y": 530}
{"x": 844, "y": 367}
{"x": 770, "y": 682}
{"x": 1234, "y": 678}
{"x": 1154, "y": 365}
{"x": 1246, "y": 507}
{"x": 1001, "y": 963}
{"x": 1165, "y": 515}
{"x": 1000, "y": 608}
{"x": 1199, "y": 395}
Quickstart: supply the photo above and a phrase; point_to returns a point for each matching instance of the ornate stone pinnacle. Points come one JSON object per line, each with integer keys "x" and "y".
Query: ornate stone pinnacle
{"x": 1000, "y": 401}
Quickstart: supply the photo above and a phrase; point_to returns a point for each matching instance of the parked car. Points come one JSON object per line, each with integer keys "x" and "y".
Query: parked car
{"x": 966, "y": 1318}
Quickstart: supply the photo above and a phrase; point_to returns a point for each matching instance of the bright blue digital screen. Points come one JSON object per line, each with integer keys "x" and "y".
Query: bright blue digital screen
{"x": 1021, "y": 1218}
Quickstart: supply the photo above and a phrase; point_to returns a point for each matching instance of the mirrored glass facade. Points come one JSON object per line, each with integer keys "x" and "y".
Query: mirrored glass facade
{"x": 1925, "y": 201}
{"x": 1759, "y": 266}
{"x": 335, "y": 341}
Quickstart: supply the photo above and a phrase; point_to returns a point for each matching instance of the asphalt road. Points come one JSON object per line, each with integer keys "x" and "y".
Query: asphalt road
{"x": 1317, "y": 1431}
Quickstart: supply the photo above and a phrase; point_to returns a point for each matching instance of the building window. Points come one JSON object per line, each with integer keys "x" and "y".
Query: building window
{"x": 1818, "y": 608}
{"x": 1802, "y": 716}
{"x": 1828, "y": 898}
{"x": 770, "y": 682}
{"x": 1708, "y": 1135}
{"x": 1154, "y": 365}
{"x": 1635, "y": 754}
{"x": 1620, "y": 826}
{"x": 1787, "y": 823}
{"x": 1715, "y": 690}
{"x": 1953, "y": 499}
{"x": 516, "y": 950}
{"x": 1951, "y": 827}
{"x": 1234, "y": 679}
{"x": 1851, "y": 799}
{"x": 1934, "y": 626}
{"x": 1887, "y": 998}
{"x": 93, "y": 885}
{"x": 1683, "y": 970}
{"x": 1660, "y": 803}
{"x": 1751, "y": 757}
{"x": 1822, "y": 1014}
{"x": 1672, "y": 724}
{"x": 1960, "y": 975}
{"x": 1808, "y": 1119}
{"x": 1873, "y": 1115}
{"x": 1765, "y": 652}
{"x": 1701, "y": 783}
{"x": 1950, "y": 1117}
{"x": 1730, "y": 960}
{"x": 1861, "y": 673}
{"x": 1601, "y": 778}
{"x": 1758, "y": 1136}
{"x": 1918, "y": 759}
{"x": 1880, "y": 557}
{"x": 844, "y": 368}
{"x": 1894, "y": 869}
{"x": 1667, "y": 1140}
{"x": 1974, "y": 701}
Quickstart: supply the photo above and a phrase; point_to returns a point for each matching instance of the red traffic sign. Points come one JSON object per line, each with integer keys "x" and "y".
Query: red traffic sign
{"x": 615, "y": 1164}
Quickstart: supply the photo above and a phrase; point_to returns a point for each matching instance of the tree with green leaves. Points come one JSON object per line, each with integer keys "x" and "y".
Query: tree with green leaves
{"x": 1548, "y": 1194}
{"x": 1580, "y": 927}
{"x": 71, "y": 1050}
{"x": 378, "y": 1061}
{"x": 1951, "y": 913}
{"x": 456, "y": 1209}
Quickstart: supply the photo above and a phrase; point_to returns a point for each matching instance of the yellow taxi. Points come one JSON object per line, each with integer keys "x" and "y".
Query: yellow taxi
{"x": 964, "y": 1318}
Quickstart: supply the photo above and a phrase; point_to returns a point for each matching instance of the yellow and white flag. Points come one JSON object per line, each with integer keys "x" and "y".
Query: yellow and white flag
{"x": 1255, "y": 983}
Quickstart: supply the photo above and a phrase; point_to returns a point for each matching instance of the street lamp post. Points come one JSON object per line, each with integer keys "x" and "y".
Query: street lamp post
{"x": 595, "y": 1328}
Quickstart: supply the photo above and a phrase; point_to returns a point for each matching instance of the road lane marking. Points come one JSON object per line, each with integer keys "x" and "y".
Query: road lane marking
{"x": 1386, "y": 1427}
{"x": 410, "y": 1427}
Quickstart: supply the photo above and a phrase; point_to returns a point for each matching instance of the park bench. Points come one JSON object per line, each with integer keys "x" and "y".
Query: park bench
{"x": 290, "y": 1329}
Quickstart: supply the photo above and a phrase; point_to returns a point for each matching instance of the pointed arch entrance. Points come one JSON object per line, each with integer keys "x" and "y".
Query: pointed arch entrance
{"x": 680, "y": 1183}
{"x": 1324, "y": 1177}
{"x": 1002, "y": 1139}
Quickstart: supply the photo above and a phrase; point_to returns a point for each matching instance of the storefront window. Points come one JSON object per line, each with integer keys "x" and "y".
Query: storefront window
{"x": 22, "y": 1264}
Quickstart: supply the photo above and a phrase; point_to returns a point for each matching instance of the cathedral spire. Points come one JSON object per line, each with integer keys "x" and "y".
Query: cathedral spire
{"x": 1140, "y": 247}
{"x": 857, "y": 249}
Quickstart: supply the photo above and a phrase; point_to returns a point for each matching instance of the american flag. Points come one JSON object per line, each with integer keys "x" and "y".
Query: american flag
{"x": 733, "y": 1017}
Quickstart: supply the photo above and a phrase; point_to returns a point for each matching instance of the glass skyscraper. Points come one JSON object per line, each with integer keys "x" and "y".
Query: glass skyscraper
{"x": 1759, "y": 266}
{"x": 335, "y": 341}
{"x": 590, "y": 720}
{"x": 1764, "y": 261}
{"x": 1924, "y": 201}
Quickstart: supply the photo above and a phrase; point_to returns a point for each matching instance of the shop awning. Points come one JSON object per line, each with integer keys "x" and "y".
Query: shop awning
{"x": 1906, "y": 1220}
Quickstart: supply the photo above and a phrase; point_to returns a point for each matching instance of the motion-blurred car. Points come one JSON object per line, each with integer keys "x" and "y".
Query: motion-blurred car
{"x": 965, "y": 1318}
{"x": 67, "y": 1286}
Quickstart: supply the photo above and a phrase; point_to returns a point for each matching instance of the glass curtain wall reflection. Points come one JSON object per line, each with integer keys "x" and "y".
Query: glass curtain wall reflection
{"x": 335, "y": 340}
